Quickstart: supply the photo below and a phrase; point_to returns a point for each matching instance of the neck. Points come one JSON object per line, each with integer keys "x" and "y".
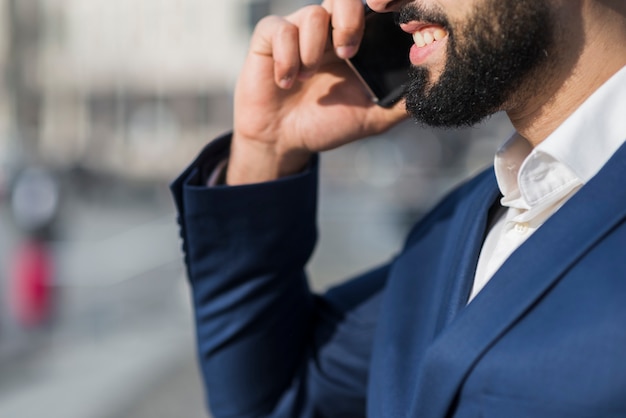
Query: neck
{"x": 587, "y": 66}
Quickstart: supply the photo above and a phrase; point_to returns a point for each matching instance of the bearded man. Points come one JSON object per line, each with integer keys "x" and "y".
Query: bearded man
{"x": 507, "y": 299}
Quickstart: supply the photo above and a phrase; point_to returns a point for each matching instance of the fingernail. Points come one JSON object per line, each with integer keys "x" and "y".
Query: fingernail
{"x": 346, "y": 51}
{"x": 286, "y": 82}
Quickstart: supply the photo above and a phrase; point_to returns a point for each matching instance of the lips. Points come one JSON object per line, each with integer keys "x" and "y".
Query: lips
{"x": 428, "y": 38}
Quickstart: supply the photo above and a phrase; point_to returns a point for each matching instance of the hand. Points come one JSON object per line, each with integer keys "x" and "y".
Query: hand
{"x": 296, "y": 96}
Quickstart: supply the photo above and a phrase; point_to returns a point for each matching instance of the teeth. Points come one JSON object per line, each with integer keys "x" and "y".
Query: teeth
{"x": 429, "y": 35}
{"x": 429, "y": 38}
{"x": 439, "y": 34}
{"x": 418, "y": 38}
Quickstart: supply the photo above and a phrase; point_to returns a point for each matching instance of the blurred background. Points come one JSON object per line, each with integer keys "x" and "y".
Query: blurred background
{"x": 102, "y": 104}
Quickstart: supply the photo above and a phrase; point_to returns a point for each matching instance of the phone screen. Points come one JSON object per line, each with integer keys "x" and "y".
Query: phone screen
{"x": 382, "y": 62}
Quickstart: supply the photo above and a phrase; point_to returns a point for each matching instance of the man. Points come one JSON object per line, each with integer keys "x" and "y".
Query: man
{"x": 507, "y": 299}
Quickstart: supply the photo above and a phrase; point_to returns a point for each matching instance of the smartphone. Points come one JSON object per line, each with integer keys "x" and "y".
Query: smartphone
{"x": 382, "y": 62}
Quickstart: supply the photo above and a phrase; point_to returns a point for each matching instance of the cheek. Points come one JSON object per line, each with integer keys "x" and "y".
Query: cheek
{"x": 458, "y": 10}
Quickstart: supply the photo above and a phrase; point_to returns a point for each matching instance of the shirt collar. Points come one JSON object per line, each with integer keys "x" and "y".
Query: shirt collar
{"x": 575, "y": 152}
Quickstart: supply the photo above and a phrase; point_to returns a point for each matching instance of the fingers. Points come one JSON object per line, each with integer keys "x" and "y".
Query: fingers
{"x": 347, "y": 23}
{"x": 286, "y": 55}
{"x": 380, "y": 119}
{"x": 398, "y": 112}
{"x": 313, "y": 23}
{"x": 296, "y": 43}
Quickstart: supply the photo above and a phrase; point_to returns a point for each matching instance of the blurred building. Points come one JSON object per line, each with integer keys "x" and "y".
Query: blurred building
{"x": 136, "y": 87}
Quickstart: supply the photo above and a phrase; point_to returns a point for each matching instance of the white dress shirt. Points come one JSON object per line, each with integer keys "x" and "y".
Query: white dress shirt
{"x": 536, "y": 182}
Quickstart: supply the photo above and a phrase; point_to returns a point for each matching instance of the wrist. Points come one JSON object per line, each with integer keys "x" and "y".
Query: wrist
{"x": 254, "y": 161}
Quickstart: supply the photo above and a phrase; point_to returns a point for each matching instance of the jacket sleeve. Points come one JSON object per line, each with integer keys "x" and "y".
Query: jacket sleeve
{"x": 267, "y": 346}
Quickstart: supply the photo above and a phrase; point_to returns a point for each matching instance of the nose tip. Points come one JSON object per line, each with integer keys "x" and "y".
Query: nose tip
{"x": 382, "y": 6}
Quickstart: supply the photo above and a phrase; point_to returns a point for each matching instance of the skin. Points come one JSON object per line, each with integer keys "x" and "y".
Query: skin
{"x": 295, "y": 96}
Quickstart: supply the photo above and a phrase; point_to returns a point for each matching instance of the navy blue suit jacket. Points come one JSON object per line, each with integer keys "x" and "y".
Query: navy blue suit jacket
{"x": 545, "y": 338}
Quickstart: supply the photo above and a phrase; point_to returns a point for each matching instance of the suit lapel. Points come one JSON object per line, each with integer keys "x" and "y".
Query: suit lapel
{"x": 471, "y": 226}
{"x": 436, "y": 268}
{"x": 527, "y": 275}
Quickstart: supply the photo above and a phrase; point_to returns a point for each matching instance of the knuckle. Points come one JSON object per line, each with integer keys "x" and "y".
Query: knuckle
{"x": 286, "y": 29}
{"x": 315, "y": 12}
{"x": 267, "y": 21}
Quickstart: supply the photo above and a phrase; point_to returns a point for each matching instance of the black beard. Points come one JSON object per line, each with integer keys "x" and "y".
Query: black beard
{"x": 503, "y": 46}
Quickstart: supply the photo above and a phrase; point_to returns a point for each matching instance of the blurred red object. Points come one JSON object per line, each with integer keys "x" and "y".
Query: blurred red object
{"x": 31, "y": 280}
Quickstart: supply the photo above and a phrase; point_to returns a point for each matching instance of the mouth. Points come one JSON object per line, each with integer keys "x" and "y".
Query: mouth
{"x": 424, "y": 33}
{"x": 428, "y": 38}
